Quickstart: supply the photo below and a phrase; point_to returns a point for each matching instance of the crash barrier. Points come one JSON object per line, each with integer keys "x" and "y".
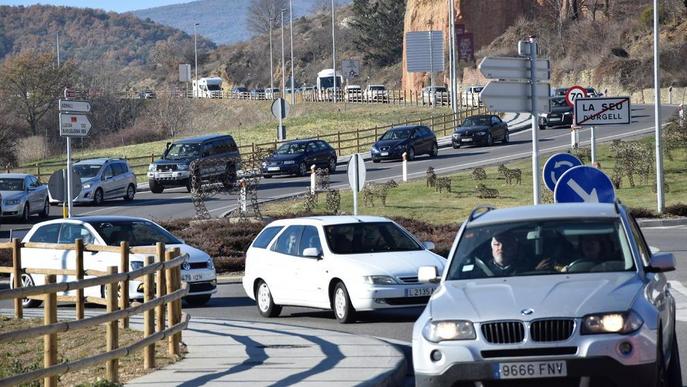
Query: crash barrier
{"x": 345, "y": 143}
{"x": 114, "y": 284}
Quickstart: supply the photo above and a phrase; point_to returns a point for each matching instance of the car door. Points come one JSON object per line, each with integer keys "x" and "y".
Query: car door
{"x": 311, "y": 277}
{"x": 280, "y": 277}
{"x": 69, "y": 233}
{"x": 118, "y": 180}
{"x": 425, "y": 139}
{"x": 35, "y": 196}
{"x": 313, "y": 155}
{"x": 107, "y": 182}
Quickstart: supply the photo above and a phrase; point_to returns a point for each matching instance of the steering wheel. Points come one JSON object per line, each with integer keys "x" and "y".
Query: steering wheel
{"x": 582, "y": 264}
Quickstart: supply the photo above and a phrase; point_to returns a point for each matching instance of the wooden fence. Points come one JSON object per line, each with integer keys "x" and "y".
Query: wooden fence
{"x": 166, "y": 306}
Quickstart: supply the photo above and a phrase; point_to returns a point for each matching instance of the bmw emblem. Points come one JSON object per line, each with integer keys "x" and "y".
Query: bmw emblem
{"x": 527, "y": 312}
{"x": 186, "y": 265}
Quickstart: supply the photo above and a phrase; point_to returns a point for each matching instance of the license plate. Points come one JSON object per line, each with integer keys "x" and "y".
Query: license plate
{"x": 384, "y": 153}
{"x": 554, "y": 119}
{"x": 537, "y": 369}
{"x": 191, "y": 277}
{"x": 466, "y": 139}
{"x": 164, "y": 174}
{"x": 272, "y": 168}
{"x": 419, "y": 292}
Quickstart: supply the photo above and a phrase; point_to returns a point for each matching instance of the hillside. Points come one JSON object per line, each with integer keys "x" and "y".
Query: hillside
{"x": 220, "y": 21}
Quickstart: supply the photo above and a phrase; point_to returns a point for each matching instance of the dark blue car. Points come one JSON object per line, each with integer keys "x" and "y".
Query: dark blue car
{"x": 296, "y": 157}
{"x": 412, "y": 140}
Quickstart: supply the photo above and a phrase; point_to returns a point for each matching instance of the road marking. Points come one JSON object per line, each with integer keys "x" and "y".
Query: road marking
{"x": 680, "y": 295}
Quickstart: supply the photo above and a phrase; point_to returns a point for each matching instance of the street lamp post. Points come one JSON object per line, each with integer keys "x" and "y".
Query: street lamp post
{"x": 293, "y": 92}
{"x": 283, "y": 64}
{"x": 195, "y": 56}
{"x": 334, "y": 51}
{"x": 271, "y": 60}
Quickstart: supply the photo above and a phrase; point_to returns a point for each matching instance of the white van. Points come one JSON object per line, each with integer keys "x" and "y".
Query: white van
{"x": 210, "y": 87}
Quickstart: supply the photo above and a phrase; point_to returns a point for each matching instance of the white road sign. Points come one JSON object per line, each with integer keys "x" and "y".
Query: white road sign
{"x": 494, "y": 67}
{"x": 425, "y": 51}
{"x": 75, "y": 106}
{"x": 514, "y": 97}
{"x": 602, "y": 111}
{"x": 74, "y": 125}
{"x": 356, "y": 176}
{"x": 280, "y": 108}
{"x": 184, "y": 72}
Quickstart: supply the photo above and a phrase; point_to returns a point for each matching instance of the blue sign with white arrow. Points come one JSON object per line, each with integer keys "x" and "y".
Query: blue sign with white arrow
{"x": 555, "y": 166}
{"x": 584, "y": 184}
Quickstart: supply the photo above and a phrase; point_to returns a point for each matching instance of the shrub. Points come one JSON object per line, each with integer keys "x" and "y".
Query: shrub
{"x": 641, "y": 212}
{"x": 678, "y": 209}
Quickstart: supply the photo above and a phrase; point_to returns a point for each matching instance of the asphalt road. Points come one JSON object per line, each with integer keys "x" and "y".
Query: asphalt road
{"x": 176, "y": 203}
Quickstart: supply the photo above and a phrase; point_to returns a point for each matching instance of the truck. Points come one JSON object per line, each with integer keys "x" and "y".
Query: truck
{"x": 208, "y": 87}
{"x": 325, "y": 84}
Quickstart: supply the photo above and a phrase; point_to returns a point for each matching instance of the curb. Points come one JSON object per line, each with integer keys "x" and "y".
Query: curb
{"x": 646, "y": 222}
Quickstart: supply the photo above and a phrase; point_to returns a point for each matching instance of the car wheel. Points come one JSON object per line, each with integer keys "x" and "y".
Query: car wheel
{"x": 435, "y": 150}
{"x": 130, "y": 193}
{"x": 229, "y": 177}
{"x": 376, "y": 160}
{"x": 542, "y": 127}
{"x": 26, "y": 214}
{"x": 98, "y": 197}
{"x": 341, "y": 303}
{"x": 410, "y": 155}
{"x": 302, "y": 169}
{"x": 46, "y": 209}
{"x": 27, "y": 282}
{"x": 264, "y": 300}
{"x": 674, "y": 373}
{"x": 155, "y": 187}
{"x": 506, "y": 138}
{"x": 197, "y": 300}
{"x": 490, "y": 140}
{"x": 455, "y": 145}
{"x": 332, "y": 166}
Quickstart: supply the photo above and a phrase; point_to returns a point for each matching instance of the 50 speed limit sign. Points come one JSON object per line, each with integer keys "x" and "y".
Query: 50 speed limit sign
{"x": 573, "y": 93}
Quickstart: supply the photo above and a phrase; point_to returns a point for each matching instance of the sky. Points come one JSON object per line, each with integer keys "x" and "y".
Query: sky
{"x": 108, "y": 5}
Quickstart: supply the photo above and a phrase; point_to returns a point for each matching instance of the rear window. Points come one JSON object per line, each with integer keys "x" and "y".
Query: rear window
{"x": 46, "y": 234}
{"x": 265, "y": 237}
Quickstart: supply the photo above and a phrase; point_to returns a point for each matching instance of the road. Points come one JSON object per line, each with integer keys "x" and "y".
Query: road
{"x": 176, "y": 203}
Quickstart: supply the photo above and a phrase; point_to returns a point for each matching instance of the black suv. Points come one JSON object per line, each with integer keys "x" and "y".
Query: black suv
{"x": 218, "y": 155}
{"x": 412, "y": 140}
{"x": 561, "y": 114}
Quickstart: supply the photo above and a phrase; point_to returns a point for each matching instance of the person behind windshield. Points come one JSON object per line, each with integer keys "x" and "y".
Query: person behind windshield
{"x": 592, "y": 248}
{"x": 503, "y": 254}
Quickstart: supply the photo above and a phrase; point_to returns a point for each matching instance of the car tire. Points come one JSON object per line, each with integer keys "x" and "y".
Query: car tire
{"x": 434, "y": 152}
{"x": 155, "y": 187}
{"x": 229, "y": 179}
{"x": 46, "y": 209}
{"x": 197, "y": 300}
{"x": 332, "y": 166}
{"x": 27, "y": 282}
{"x": 130, "y": 193}
{"x": 506, "y": 138}
{"x": 302, "y": 169}
{"x": 341, "y": 304}
{"x": 542, "y": 127}
{"x": 98, "y": 197}
{"x": 455, "y": 146}
{"x": 673, "y": 372}
{"x": 376, "y": 160}
{"x": 26, "y": 214}
{"x": 490, "y": 140}
{"x": 410, "y": 155}
{"x": 264, "y": 301}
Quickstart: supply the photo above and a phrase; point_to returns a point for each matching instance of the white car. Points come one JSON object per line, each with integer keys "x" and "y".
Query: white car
{"x": 344, "y": 263}
{"x": 198, "y": 270}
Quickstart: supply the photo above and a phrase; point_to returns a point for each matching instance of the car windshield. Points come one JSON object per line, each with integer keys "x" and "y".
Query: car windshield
{"x": 558, "y": 102}
{"x": 136, "y": 232}
{"x": 292, "y": 148}
{"x": 562, "y": 246}
{"x": 476, "y": 121}
{"x": 377, "y": 88}
{"x": 181, "y": 151}
{"x": 11, "y": 184}
{"x": 87, "y": 170}
{"x": 397, "y": 134}
{"x": 371, "y": 237}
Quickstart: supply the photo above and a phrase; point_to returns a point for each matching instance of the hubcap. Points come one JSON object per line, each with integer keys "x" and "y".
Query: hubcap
{"x": 332, "y": 164}
{"x": 264, "y": 297}
{"x": 130, "y": 192}
{"x": 340, "y": 303}
{"x": 26, "y": 282}
{"x": 98, "y": 197}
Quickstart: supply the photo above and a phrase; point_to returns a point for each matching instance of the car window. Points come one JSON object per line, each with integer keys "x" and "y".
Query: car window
{"x": 370, "y": 237}
{"x": 231, "y": 145}
{"x": 323, "y": 145}
{"x": 11, "y": 184}
{"x": 221, "y": 146}
{"x": 291, "y": 148}
{"x": 87, "y": 170}
{"x": 208, "y": 149}
{"x": 287, "y": 242}
{"x": 46, "y": 234}
{"x": 108, "y": 172}
{"x": 117, "y": 169}
{"x": 644, "y": 250}
{"x": 309, "y": 238}
{"x": 312, "y": 147}
{"x": 135, "y": 232}
{"x": 70, "y": 232}
{"x": 476, "y": 121}
{"x": 33, "y": 182}
{"x": 265, "y": 237}
{"x": 397, "y": 134}
{"x": 181, "y": 151}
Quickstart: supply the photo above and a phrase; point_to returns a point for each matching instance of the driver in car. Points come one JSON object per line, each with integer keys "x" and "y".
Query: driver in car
{"x": 503, "y": 254}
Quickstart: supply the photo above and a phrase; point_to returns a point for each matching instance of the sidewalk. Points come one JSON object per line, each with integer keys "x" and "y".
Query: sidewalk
{"x": 275, "y": 354}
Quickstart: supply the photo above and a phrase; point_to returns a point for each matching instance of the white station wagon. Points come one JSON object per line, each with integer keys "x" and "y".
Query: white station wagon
{"x": 343, "y": 263}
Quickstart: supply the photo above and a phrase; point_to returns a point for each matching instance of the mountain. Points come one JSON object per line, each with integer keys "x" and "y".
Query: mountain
{"x": 222, "y": 21}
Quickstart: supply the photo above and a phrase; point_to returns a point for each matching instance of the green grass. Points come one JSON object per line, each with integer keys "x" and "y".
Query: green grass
{"x": 417, "y": 201}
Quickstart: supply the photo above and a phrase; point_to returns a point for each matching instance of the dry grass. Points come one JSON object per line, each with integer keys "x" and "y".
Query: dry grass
{"x": 26, "y": 355}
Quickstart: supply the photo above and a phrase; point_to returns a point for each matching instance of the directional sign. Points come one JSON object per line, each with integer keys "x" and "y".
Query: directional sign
{"x": 514, "y": 97}
{"x": 356, "y": 176}
{"x": 56, "y": 185}
{"x": 350, "y": 68}
{"x": 425, "y": 51}
{"x": 602, "y": 111}
{"x": 74, "y": 125}
{"x": 75, "y": 106}
{"x": 574, "y": 93}
{"x": 280, "y": 108}
{"x": 494, "y": 67}
{"x": 584, "y": 184}
{"x": 555, "y": 166}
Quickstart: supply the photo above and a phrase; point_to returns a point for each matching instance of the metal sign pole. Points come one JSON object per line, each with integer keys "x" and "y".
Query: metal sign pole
{"x": 535, "y": 144}
{"x": 69, "y": 177}
{"x": 356, "y": 185}
{"x": 593, "y": 141}
{"x": 657, "y": 117}
{"x": 431, "y": 71}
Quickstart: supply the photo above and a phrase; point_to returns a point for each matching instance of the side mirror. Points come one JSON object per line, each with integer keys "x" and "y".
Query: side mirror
{"x": 661, "y": 262}
{"x": 429, "y": 245}
{"x": 312, "y": 252}
{"x": 428, "y": 274}
{"x": 654, "y": 250}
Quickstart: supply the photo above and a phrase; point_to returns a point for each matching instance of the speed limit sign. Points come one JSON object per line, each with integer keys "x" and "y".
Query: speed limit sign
{"x": 573, "y": 93}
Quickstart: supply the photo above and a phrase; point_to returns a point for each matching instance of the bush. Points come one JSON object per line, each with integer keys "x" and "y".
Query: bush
{"x": 640, "y": 212}
{"x": 678, "y": 209}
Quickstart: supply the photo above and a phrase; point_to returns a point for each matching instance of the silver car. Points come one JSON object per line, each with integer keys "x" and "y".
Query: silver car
{"x": 103, "y": 179}
{"x": 22, "y": 195}
{"x": 555, "y": 294}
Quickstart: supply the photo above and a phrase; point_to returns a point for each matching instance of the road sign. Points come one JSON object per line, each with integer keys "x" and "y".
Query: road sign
{"x": 584, "y": 184}
{"x": 74, "y": 125}
{"x": 280, "y": 108}
{"x": 75, "y": 106}
{"x": 359, "y": 172}
{"x": 69, "y": 92}
{"x": 574, "y": 93}
{"x": 350, "y": 68}
{"x": 57, "y": 186}
{"x": 425, "y": 51}
{"x": 555, "y": 166}
{"x": 494, "y": 67}
{"x": 602, "y": 111}
{"x": 514, "y": 97}
{"x": 184, "y": 72}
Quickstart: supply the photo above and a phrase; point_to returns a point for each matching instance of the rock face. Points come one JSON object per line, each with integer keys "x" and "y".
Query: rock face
{"x": 486, "y": 19}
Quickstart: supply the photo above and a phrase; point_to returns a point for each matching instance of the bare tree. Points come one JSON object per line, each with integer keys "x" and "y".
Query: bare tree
{"x": 8, "y": 139}
{"x": 262, "y": 13}
{"x": 170, "y": 115}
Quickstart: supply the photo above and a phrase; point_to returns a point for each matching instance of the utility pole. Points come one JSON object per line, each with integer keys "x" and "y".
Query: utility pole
{"x": 657, "y": 116}
{"x": 536, "y": 178}
{"x": 334, "y": 50}
{"x": 453, "y": 62}
{"x": 195, "y": 56}
{"x": 283, "y": 64}
{"x": 293, "y": 91}
{"x": 271, "y": 59}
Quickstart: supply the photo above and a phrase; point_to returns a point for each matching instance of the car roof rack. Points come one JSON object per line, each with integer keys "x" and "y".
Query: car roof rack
{"x": 479, "y": 211}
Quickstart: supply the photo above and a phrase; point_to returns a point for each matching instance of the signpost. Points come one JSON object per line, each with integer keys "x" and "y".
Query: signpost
{"x": 497, "y": 67}
{"x": 72, "y": 124}
{"x": 574, "y": 93}
{"x": 515, "y": 97}
{"x": 556, "y": 166}
{"x": 425, "y": 53}
{"x": 58, "y": 188}
{"x": 350, "y": 68}
{"x": 356, "y": 178}
{"x": 601, "y": 111}
{"x": 280, "y": 109}
{"x": 584, "y": 184}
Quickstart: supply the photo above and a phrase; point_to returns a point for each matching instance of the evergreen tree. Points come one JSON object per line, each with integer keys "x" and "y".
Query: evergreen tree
{"x": 378, "y": 26}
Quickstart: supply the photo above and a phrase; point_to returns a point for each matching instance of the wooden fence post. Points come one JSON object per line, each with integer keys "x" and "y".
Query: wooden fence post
{"x": 148, "y": 318}
{"x": 161, "y": 289}
{"x": 177, "y": 307}
{"x": 338, "y": 141}
{"x": 16, "y": 273}
{"x": 78, "y": 247}
{"x": 172, "y": 345}
{"x": 112, "y": 333}
{"x": 124, "y": 268}
{"x": 357, "y": 141}
{"x": 50, "y": 340}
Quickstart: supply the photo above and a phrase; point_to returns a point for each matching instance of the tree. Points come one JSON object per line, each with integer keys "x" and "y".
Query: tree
{"x": 262, "y": 13}
{"x": 378, "y": 27}
{"x": 8, "y": 139}
{"x": 33, "y": 84}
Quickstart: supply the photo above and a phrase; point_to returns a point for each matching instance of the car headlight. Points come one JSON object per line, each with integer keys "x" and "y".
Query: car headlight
{"x": 87, "y": 186}
{"x": 211, "y": 264}
{"x": 135, "y": 265}
{"x": 182, "y": 167}
{"x": 623, "y": 323}
{"x": 374, "y": 149}
{"x": 12, "y": 202}
{"x": 264, "y": 164}
{"x": 456, "y": 135}
{"x": 379, "y": 280}
{"x": 436, "y": 331}
{"x": 151, "y": 167}
{"x": 289, "y": 162}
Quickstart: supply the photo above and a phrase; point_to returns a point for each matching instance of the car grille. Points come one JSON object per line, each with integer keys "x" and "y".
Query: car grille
{"x": 551, "y": 330}
{"x": 200, "y": 287}
{"x": 166, "y": 167}
{"x": 556, "y": 351}
{"x": 198, "y": 265}
{"x": 503, "y": 332}
{"x": 409, "y": 280}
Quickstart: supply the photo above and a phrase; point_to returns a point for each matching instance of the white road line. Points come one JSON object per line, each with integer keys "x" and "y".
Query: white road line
{"x": 680, "y": 296}
{"x": 678, "y": 286}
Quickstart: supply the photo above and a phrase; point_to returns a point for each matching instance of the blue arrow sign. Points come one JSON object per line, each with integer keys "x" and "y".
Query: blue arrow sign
{"x": 555, "y": 166}
{"x": 584, "y": 184}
